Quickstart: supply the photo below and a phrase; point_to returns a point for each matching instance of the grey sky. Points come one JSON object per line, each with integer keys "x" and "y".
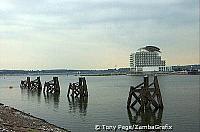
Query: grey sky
{"x": 95, "y": 34}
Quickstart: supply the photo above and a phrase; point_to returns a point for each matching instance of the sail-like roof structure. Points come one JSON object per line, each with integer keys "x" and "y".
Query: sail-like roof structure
{"x": 151, "y": 49}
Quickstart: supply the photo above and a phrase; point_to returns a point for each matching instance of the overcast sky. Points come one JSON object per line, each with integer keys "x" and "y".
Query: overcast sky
{"x": 95, "y": 34}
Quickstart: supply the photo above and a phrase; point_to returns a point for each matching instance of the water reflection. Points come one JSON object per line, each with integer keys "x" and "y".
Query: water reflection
{"x": 149, "y": 116}
{"x": 52, "y": 97}
{"x": 32, "y": 94}
{"x": 78, "y": 104}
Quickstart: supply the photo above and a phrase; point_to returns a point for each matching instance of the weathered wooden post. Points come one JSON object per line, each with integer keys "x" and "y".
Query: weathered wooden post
{"x": 70, "y": 87}
{"x": 80, "y": 81}
{"x": 73, "y": 89}
{"x": 130, "y": 97}
{"x": 39, "y": 83}
{"x": 56, "y": 84}
{"x": 23, "y": 84}
{"x": 45, "y": 85}
{"x": 29, "y": 82}
{"x": 146, "y": 82}
{"x": 81, "y": 87}
{"x": 158, "y": 93}
{"x": 85, "y": 87}
{"x": 144, "y": 92}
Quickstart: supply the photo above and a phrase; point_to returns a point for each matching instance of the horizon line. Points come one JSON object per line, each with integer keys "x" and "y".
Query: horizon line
{"x": 85, "y": 69}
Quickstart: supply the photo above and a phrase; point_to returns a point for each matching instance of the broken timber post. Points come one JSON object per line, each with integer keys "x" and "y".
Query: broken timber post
{"x": 85, "y": 91}
{"x": 146, "y": 96}
{"x": 70, "y": 86}
{"x": 52, "y": 86}
{"x": 24, "y": 83}
{"x": 56, "y": 84}
{"x": 158, "y": 93}
{"x": 28, "y": 82}
{"x": 78, "y": 89}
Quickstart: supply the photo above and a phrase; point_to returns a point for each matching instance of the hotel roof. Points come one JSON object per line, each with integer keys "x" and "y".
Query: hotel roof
{"x": 151, "y": 49}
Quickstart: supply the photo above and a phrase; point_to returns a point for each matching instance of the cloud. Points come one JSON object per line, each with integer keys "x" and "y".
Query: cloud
{"x": 96, "y": 26}
{"x": 83, "y": 13}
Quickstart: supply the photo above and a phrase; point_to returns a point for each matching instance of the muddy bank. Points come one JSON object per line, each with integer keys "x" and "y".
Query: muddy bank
{"x": 13, "y": 120}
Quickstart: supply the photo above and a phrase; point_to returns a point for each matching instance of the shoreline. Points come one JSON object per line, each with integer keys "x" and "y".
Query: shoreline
{"x": 12, "y": 119}
{"x": 108, "y": 74}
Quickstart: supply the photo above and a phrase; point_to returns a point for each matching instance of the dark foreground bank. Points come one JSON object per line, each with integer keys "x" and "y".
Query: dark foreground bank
{"x": 14, "y": 120}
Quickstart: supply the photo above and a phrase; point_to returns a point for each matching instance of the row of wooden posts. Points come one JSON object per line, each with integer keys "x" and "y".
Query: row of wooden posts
{"x": 51, "y": 86}
{"x": 145, "y": 94}
{"x": 77, "y": 89}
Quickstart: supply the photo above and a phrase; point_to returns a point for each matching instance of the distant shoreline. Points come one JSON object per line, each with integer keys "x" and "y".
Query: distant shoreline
{"x": 193, "y": 69}
{"x": 108, "y": 74}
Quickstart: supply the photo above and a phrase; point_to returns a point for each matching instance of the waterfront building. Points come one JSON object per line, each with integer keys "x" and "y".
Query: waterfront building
{"x": 148, "y": 59}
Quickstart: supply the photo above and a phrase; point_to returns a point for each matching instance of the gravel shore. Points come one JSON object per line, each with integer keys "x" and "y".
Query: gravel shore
{"x": 13, "y": 120}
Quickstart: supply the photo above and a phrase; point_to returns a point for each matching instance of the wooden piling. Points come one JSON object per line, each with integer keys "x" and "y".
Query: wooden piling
{"x": 73, "y": 89}
{"x": 70, "y": 87}
{"x": 29, "y": 82}
{"x": 158, "y": 93}
{"x": 85, "y": 87}
{"x": 146, "y": 82}
{"x": 56, "y": 84}
{"x": 129, "y": 98}
{"x": 39, "y": 83}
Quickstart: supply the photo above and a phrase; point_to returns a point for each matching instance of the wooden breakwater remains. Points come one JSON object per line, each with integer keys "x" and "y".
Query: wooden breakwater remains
{"x": 32, "y": 85}
{"x": 78, "y": 89}
{"x": 78, "y": 96}
{"x": 52, "y": 86}
{"x": 146, "y": 95}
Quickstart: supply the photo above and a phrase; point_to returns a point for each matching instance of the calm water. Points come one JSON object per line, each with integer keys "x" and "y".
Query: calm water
{"x": 106, "y": 103}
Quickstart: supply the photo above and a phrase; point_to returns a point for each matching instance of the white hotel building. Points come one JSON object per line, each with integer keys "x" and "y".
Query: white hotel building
{"x": 148, "y": 59}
